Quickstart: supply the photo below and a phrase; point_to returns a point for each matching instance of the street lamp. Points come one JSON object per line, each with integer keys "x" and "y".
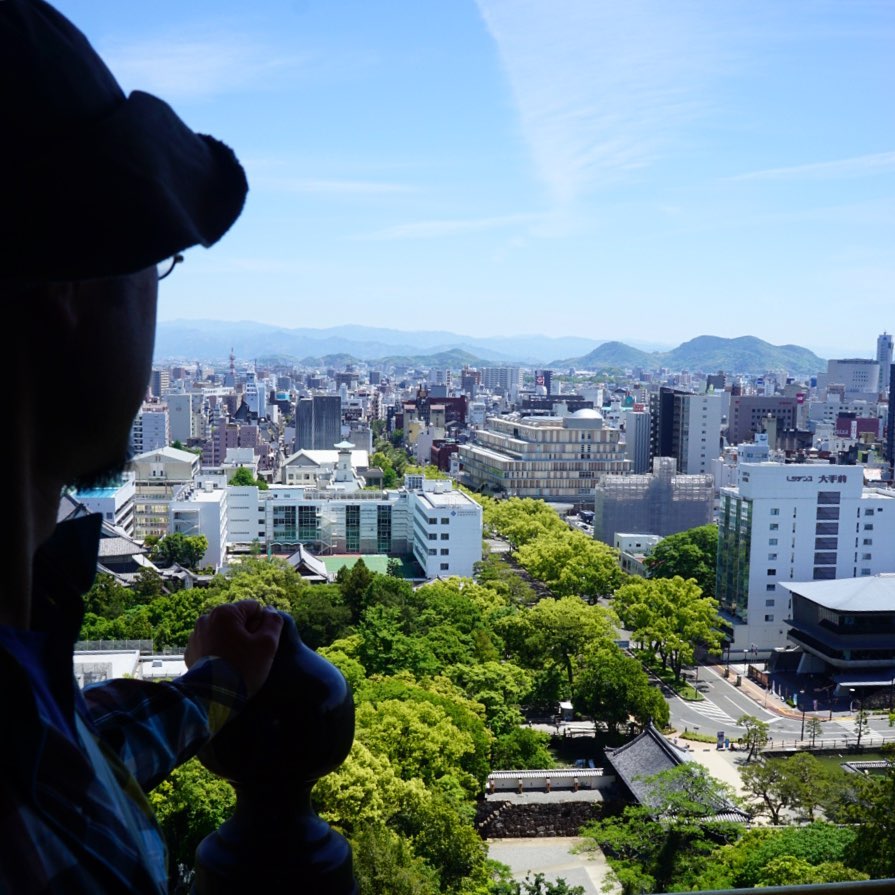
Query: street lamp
{"x": 802, "y": 707}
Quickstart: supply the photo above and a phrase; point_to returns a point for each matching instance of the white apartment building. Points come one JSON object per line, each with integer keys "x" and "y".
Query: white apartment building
{"x": 447, "y": 530}
{"x": 700, "y": 433}
{"x": 795, "y": 522}
{"x": 150, "y": 429}
{"x": 185, "y": 416}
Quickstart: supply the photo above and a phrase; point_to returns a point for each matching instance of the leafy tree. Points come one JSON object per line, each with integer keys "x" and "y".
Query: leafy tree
{"x": 862, "y": 726}
{"x": 419, "y": 739}
{"x": 522, "y": 748}
{"x": 354, "y": 581}
{"x": 521, "y": 520}
{"x": 814, "y": 728}
{"x": 148, "y": 586}
{"x": 185, "y": 550}
{"x": 496, "y": 573}
{"x": 173, "y": 617}
{"x": 767, "y": 789}
{"x": 500, "y": 687}
{"x": 243, "y": 478}
{"x": 463, "y": 714}
{"x": 687, "y": 554}
{"x": 742, "y": 864}
{"x": 394, "y": 567}
{"x": 107, "y": 598}
{"x": 389, "y": 476}
{"x": 189, "y": 804}
{"x": 873, "y": 851}
{"x": 571, "y": 564}
{"x": 384, "y": 863}
{"x": 442, "y": 837}
{"x": 320, "y": 615}
{"x": 611, "y": 687}
{"x": 668, "y": 617}
{"x": 270, "y": 580}
{"x": 756, "y": 736}
{"x": 363, "y": 791}
{"x": 790, "y": 871}
{"x": 556, "y": 632}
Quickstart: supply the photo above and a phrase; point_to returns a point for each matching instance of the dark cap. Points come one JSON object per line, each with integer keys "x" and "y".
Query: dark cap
{"x": 96, "y": 183}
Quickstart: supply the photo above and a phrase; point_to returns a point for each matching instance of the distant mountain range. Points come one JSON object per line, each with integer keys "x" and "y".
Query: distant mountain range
{"x": 705, "y": 354}
{"x": 212, "y": 340}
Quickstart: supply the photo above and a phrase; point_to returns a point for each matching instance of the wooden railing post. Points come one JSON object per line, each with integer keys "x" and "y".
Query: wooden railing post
{"x": 297, "y": 729}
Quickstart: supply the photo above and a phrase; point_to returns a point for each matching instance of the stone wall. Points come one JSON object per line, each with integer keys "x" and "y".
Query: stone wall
{"x": 508, "y": 820}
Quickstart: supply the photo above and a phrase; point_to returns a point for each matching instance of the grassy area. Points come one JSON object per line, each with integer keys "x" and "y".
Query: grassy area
{"x": 680, "y": 687}
{"x": 697, "y": 737}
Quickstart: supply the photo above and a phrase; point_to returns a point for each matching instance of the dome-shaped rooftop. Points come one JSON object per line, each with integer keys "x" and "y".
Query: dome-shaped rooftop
{"x": 587, "y": 413}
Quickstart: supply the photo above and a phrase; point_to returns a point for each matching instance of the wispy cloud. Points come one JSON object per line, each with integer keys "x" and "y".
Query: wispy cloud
{"x": 185, "y": 66}
{"x": 601, "y": 88}
{"x": 451, "y": 227}
{"x": 859, "y": 166}
{"x": 331, "y": 187}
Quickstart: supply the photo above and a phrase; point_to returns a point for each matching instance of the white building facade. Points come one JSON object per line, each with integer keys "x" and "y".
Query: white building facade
{"x": 795, "y": 522}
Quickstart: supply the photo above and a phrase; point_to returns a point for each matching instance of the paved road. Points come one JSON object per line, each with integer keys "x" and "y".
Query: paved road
{"x": 554, "y": 858}
{"x": 724, "y": 703}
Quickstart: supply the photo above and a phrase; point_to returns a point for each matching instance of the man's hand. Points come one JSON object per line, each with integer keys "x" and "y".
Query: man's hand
{"x": 244, "y": 633}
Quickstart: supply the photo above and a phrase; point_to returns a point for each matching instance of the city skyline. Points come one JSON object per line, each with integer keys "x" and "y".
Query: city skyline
{"x": 642, "y": 173}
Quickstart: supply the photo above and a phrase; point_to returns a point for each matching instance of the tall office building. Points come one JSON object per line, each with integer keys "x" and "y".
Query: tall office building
{"x": 159, "y": 382}
{"x": 890, "y": 430}
{"x": 884, "y": 344}
{"x": 637, "y": 432}
{"x": 504, "y": 379}
{"x": 318, "y": 423}
{"x": 687, "y": 427}
{"x": 150, "y": 429}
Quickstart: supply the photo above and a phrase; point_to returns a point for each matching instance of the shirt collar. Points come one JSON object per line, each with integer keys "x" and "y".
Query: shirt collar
{"x": 64, "y": 569}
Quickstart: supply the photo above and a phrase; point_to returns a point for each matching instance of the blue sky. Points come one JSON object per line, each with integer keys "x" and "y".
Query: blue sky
{"x": 646, "y": 171}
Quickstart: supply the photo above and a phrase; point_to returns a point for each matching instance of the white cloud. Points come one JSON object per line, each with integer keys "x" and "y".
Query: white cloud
{"x": 859, "y": 166}
{"x": 450, "y": 227}
{"x": 190, "y": 67}
{"x": 601, "y": 88}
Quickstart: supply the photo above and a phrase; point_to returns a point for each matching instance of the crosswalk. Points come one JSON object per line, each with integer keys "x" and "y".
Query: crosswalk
{"x": 708, "y": 709}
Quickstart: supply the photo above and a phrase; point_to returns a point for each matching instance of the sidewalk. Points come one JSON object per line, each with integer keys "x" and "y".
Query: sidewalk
{"x": 720, "y": 763}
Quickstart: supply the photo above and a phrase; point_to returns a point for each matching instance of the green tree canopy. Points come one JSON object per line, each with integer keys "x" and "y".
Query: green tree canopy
{"x": 612, "y": 688}
{"x": 243, "y": 478}
{"x": 668, "y": 617}
{"x": 185, "y": 550}
{"x": 687, "y": 554}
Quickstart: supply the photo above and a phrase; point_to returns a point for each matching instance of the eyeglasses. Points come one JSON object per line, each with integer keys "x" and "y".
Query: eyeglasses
{"x": 164, "y": 271}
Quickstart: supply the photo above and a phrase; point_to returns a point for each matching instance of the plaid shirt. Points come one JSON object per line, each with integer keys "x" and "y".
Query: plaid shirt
{"x": 73, "y": 814}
